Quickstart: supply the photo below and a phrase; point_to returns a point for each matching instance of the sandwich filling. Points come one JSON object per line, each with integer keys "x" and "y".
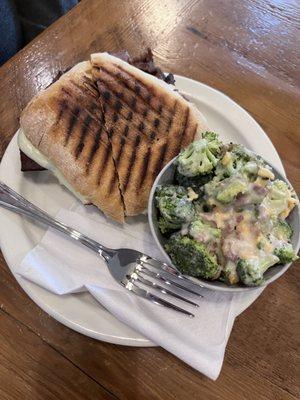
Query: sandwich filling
{"x": 32, "y": 152}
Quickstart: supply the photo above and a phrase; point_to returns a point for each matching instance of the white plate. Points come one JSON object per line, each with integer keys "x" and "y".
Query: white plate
{"x": 18, "y": 236}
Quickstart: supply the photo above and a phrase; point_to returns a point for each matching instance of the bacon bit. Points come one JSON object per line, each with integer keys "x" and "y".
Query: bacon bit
{"x": 239, "y": 218}
{"x": 259, "y": 189}
{"x": 242, "y": 199}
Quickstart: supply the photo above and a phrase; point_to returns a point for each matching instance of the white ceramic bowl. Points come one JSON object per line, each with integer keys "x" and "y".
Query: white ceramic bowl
{"x": 167, "y": 176}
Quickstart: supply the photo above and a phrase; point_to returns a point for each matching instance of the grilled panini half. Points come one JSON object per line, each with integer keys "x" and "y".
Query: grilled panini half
{"x": 147, "y": 123}
{"x": 65, "y": 125}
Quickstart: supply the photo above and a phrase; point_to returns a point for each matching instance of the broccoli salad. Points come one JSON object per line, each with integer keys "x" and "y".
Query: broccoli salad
{"x": 224, "y": 216}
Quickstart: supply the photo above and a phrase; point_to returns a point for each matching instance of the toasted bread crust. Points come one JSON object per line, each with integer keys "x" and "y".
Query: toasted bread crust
{"x": 65, "y": 122}
{"x": 147, "y": 123}
{"x": 110, "y": 128}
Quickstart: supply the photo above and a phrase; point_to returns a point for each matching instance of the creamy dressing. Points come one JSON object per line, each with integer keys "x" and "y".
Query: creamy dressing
{"x": 242, "y": 232}
{"x": 32, "y": 152}
{"x": 239, "y": 214}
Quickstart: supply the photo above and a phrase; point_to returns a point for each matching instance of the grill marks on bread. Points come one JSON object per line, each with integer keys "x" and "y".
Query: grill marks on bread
{"x": 81, "y": 139}
{"x": 91, "y": 137}
{"x": 146, "y": 130}
{"x": 136, "y": 104}
{"x": 84, "y": 132}
{"x": 132, "y": 161}
{"x": 112, "y": 132}
{"x": 94, "y": 147}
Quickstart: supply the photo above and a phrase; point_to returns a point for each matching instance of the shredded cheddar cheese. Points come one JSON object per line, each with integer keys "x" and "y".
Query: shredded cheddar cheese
{"x": 266, "y": 173}
{"x": 226, "y": 159}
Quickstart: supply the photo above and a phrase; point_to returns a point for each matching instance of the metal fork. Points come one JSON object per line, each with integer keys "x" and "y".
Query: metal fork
{"x": 135, "y": 271}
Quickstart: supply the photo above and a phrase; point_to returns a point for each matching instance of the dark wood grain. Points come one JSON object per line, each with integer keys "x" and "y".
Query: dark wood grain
{"x": 248, "y": 49}
{"x": 31, "y": 369}
{"x": 131, "y": 373}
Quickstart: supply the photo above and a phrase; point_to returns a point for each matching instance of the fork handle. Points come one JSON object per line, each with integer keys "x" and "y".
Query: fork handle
{"x": 13, "y": 201}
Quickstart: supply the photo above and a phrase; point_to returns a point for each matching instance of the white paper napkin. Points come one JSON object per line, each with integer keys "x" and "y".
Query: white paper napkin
{"x": 63, "y": 266}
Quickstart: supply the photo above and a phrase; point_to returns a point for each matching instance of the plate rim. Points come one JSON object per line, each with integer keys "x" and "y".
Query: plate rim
{"x": 244, "y": 113}
{"x": 135, "y": 342}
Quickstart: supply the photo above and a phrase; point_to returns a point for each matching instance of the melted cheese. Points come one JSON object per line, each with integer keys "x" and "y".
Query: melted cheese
{"x": 32, "y": 152}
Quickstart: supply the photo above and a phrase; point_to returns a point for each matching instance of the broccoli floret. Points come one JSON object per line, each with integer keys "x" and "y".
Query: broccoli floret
{"x": 203, "y": 232}
{"x": 206, "y": 234}
{"x": 225, "y": 191}
{"x": 285, "y": 253}
{"x": 264, "y": 242}
{"x": 229, "y": 193}
{"x": 282, "y": 230}
{"x": 251, "y": 271}
{"x": 166, "y": 227}
{"x": 214, "y": 143}
{"x": 174, "y": 205}
{"x": 280, "y": 199}
{"x": 229, "y": 274}
{"x": 192, "y": 258}
{"x": 210, "y": 136}
{"x": 200, "y": 157}
{"x": 237, "y": 159}
{"x": 195, "y": 182}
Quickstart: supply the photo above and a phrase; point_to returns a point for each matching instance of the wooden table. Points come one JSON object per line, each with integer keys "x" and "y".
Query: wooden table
{"x": 245, "y": 48}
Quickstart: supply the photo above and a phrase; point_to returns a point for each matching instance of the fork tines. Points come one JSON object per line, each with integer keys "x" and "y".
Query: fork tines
{"x": 168, "y": 275}
{"x": 162, "y": 289}
{"x": 134, "y": 288}
{"x": 165, "y": 274}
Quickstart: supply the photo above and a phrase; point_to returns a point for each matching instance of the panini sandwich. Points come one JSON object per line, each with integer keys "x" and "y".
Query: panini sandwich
{"x": 106, "y": 128}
